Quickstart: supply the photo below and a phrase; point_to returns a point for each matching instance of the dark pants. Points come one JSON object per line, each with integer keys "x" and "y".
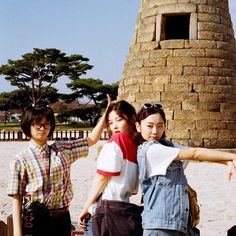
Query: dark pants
{"x": 232, "y": 231}
{"x": 60, "y": 226}
{"x": 116, "y": 218}
{"x": 48, "y": 226}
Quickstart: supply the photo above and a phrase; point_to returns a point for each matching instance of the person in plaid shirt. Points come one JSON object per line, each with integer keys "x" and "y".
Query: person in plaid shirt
{"x": 41, "y": 173}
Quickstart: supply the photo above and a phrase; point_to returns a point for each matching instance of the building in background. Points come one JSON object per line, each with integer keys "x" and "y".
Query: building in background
{"x": 183, "y": 56}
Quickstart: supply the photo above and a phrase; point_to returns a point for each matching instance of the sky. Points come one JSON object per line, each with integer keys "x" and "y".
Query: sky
{"x": 99, "y": 30}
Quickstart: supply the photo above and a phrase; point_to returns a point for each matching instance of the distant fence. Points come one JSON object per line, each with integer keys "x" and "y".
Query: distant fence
{"x": 57, "y": 135}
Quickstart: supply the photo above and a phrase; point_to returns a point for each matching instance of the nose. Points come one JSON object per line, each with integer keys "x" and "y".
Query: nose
{"x": 115, "y": 126}
{"x": 154, "y": 130}
{"x": 42, "y": 126}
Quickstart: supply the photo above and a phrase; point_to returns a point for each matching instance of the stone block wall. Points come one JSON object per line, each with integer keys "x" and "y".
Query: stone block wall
{"x": 194, "y": 79}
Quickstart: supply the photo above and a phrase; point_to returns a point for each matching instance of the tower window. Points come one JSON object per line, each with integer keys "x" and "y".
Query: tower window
{"x": 175, "y": 26}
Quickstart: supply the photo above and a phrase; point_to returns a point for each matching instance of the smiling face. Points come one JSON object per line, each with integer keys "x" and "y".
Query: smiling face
{"x": 117, "y": 123}
{"x": 40, "y": 131}
{"x": 152, "y": 127}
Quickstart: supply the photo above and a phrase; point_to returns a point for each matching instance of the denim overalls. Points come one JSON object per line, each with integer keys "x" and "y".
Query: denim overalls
{"x": 166, "y": 203}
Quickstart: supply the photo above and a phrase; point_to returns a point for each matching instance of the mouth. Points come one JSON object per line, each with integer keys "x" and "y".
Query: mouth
{"x": 153, "y": 138}
{"x": 41, "y": 133}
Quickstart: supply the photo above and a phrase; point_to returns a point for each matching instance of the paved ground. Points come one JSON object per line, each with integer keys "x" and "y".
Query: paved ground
{"x": 216, "y": 196}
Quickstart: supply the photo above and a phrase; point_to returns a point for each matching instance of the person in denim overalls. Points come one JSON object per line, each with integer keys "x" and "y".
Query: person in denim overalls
{"x": 161, "y": 175}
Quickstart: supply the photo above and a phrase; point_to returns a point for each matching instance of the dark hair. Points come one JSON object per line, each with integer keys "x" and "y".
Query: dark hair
{"x": 126, "y": 111}
{"x": 35, "y": 113}
{"x": 144, "y": 112}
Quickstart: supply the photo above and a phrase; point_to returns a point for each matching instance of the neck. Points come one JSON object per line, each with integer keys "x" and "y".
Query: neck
{"x": 39, "y": 142}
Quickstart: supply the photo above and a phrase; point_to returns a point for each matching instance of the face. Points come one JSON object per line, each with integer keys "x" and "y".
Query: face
{"x": 40, "y": 131}
{"x": 152, "y": 127}
{"x": 117, "y": 123}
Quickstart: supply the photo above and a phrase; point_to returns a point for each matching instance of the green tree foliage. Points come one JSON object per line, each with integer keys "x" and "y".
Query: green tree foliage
{"x": 18, "y": 99}
{"x": 35, "y": 73}
{"x": 5, "y": 103}
{"x": 94, "y": 91}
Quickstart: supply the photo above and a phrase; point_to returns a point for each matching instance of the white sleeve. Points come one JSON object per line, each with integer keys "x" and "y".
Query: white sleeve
{"x": 184, "y": 162}
{"x": 158, "y": 158}
{"x": 109, "y": 160}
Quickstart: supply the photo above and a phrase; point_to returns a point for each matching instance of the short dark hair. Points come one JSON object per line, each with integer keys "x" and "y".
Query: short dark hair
{"x": 35, "y": 113}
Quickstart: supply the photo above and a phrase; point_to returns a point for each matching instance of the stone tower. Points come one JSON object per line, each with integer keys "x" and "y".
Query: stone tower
{"x": 183, "y": 56}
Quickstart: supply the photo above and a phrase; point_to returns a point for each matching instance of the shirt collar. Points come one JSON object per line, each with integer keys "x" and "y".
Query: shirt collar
{"x": 37, "y": 148}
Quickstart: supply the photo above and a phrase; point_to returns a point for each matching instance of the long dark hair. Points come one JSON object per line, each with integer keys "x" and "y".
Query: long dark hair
{"x": 144, "y": 112}
{"x": 35, "y": 113}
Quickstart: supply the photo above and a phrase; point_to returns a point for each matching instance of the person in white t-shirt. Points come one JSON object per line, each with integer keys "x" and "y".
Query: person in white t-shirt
{"x": 116, "y": 179}
{"x": 161, "y": 175}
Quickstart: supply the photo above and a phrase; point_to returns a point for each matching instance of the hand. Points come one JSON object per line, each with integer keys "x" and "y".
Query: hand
{"x": 234, "y": 161}
{"x": 83, "y": 218}
{"x": 109, "y": 101}
{"x": 231, "y": 169}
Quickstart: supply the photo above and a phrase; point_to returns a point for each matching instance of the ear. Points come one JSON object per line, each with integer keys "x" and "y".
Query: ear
{"x": 138, "y": 128}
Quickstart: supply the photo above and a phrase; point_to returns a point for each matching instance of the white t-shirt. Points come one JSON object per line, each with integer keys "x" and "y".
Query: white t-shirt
{"x": 118, "y": 159}
{"x": 159, "y": 157}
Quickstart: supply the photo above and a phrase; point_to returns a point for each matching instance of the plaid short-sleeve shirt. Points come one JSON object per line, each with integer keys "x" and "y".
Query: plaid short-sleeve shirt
{"x": 29, "y": 172}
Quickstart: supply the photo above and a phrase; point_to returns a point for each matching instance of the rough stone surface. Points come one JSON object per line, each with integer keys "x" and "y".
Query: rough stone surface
{"x": 193, "y": 78}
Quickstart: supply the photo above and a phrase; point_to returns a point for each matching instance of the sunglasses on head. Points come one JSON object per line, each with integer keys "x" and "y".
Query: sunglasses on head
{"x": 149, "y": 105}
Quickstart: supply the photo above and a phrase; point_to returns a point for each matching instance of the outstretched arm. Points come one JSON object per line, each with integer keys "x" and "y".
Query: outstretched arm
{"x": 99, "y": 184}
{"x": 211, "y": 155}
{"x": 231, "y": 169}
{"x": 204, "y": 154}
{"x": 94, "y": 136}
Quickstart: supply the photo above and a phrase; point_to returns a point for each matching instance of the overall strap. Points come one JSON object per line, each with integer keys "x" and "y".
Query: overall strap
{"x": 49, "y": 167}
{"x": 45, "y": 188}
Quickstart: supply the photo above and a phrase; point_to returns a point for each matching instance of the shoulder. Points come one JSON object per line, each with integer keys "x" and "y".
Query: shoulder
{"x": 125, "y": 144}
{"x": 119, "y": 137}
{"x": 166, "y": 143}
{"x": 144, "y": 147}
{"x": 156, "y": 145}
{"x": 23, "y": 155}
{"x": 123, "y": 140}
{"x": 21, "y": 160}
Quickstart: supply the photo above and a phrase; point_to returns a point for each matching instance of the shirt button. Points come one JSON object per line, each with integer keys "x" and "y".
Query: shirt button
{"x": 186, "y": 209}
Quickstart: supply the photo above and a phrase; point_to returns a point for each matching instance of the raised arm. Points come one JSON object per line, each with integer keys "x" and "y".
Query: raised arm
{"x": 95, "y": 135}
